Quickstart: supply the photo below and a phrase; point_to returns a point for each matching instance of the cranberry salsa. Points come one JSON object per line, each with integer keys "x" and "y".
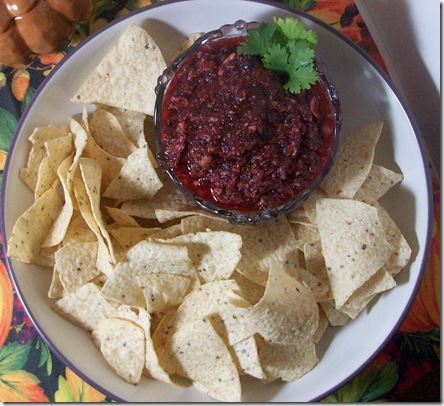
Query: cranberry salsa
{"x": 235, "y": 137}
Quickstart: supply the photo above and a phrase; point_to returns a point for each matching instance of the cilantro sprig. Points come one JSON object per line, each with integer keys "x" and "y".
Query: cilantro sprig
{"x": 287, "y": 48}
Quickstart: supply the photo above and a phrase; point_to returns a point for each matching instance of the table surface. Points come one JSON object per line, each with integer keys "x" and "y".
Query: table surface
{"x": 409, "y": 366}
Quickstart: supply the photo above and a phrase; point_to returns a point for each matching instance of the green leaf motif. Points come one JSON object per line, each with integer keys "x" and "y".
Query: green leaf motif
{"x": 371, "y": 385}
{"x": 304, "y": 5}
{"x": 13, "y": 356}
{"x": 45, "y": 355}
{"x": 8, "y": 124}
{"x": 28, "y": 96}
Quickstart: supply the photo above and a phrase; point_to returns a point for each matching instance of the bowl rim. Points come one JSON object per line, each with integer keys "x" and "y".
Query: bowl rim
{"x": 237, "y": 29}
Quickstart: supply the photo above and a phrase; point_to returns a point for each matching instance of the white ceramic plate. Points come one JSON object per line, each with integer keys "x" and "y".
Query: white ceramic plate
{"x": 367, "y": 95}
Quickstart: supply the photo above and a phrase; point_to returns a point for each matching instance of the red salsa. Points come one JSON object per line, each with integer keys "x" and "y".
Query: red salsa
{"x": 235, "y": 137}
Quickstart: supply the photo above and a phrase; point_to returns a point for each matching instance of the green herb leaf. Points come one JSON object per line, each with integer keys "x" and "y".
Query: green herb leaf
{"x": 286, "y": 48}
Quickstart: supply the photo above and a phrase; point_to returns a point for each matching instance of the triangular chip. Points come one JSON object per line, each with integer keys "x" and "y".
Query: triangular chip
{"x": 137, "y": 179}
{"x": 198, "y": 353}
{"x": 353, "y": 163}
{"x": 354, "y": 244}
{"x": 122, "y": 343}
{"x": 130, "y": 88}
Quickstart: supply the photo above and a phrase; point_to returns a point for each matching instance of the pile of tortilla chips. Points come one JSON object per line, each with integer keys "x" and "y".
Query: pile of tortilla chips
{"x": 169, "y": 291}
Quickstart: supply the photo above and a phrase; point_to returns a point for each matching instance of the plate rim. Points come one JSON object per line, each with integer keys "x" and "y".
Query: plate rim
{"x": 273, "y": 3}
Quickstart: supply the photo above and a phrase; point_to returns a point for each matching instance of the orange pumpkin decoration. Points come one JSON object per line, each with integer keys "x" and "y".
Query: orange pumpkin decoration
{"x": 6, "y": 304}
{"x": 30, "y": 27}
{"x": 425, "y": 313}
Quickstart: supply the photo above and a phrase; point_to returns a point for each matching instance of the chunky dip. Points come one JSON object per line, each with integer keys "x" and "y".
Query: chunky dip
{"x": 235, "y": 137}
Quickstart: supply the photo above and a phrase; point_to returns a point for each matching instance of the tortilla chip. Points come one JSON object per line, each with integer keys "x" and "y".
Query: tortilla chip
{"x": 246, "y": 355}
{"x": 137, "y": 179}
{"x": 197, "y": 353}
{"x": 287, "y": 362}
{"x": 32, "y": 227}
{"x": 400, "y": 258}
{"x": 353, "y": 162}
{"x": 128, "y": 237}
{"x": 145, "y": 258}
{"x": 264, "y": 246}
{"x": 378, "y": 182}
{"x": 58, "y": 229}
{"x": 57, "y": 150}
{"x": 287, "y": 311}
{"x": 163, "y": 290}
{"x": 38, "y": 138}
{"x": 85, "y": 307}
{"x": 121, "y": 218}
{"x": 109, "y": 135}
{"x": 354, "y": 244}
{"x": 122, "y": 343}
{"x": 379, "y": 282}
{"x": 215, "y": 254}
{"x": 75, "y": 270}
{"x": 131, "y": 88}
{"x": 132, "y": 123}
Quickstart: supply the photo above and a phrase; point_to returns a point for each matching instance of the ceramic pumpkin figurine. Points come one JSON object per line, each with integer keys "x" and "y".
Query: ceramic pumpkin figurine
{"x": 30, "y": 27}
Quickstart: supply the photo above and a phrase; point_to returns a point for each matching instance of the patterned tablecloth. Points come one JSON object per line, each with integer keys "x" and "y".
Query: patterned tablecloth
{"x": 407, "y": 369}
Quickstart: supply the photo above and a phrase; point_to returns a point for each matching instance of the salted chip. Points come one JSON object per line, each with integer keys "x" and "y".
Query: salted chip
{"x": 75, "y": 270}
{"x": 264, "y": 246}
{"x": 132, "y": 123}
{"x": 57, "y": 150}
{"x": 196, "y": 352}
{"x": 322, "y": 326}
{"x": 336, "y": 317}
{"x": 251, "y": 291}
{"x": 168, "y": 232}
{"x": 246, "y": 355}
{"x": 317, "y": 287}
{"x": 304, "y": 233}
{"x": 353, "y": 163}
{"x": 122, "y": 344}
{"x": 403, "y": 251}
{"x": 121, "y": 218}
{"x": 287, "y": 311}
{"x": 131, "y": 88}
{"x": 354, "y": 244}
{"x": 56, "y": 290}
{"x": 142, "y": 319}
{"x": 309, "y": 205}
{"x": 379, "y": 282}
{"x": 163, "y": 290}
{"x": 85, "y": 307}
{"x": 167, "y": 198}
{"x": 145, "y": 258}
{"x": 38, "y": 138}
{"x": 163, "y": 216}
{"x": 315, "y": 264}
{"x": 109, "y": 135}
{"x": 58, "y": 229}
{"x": 215, "y": 254}
{"x": 378, "y": 182}
{"x": 186, "y": 43}
{"x": 287, "y": 362}
{"x": 128, "y": 237}
{"x": 91, "y": 173}
{"x": 137, "y": 180}
{"x": 88, "y": 148}
{"x": 31, "y": 228}
{"x": 218, "y": 300}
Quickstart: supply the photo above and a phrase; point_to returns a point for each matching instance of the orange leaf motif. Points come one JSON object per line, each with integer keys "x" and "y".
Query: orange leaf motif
{"x": 6, "y": 304}
{"x": 21, "y": 386}
{"x": 20, "y": 84}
